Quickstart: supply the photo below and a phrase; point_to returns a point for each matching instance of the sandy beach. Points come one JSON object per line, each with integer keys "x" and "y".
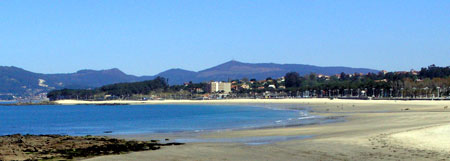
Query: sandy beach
{"x": 373, "y": 130}
{"x": 312, "y": 101}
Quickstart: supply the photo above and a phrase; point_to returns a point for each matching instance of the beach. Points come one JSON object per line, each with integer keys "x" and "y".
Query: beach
{"x": 302, "y": 101}
{"x": 373, "y": 130}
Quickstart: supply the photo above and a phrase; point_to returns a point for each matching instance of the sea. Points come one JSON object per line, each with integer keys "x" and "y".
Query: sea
{"x": 80, "y": 120}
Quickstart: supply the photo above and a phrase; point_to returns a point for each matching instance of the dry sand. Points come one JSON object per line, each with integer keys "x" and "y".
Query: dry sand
{"x": 374, "y": 130}
{"x": 315, "y": 101}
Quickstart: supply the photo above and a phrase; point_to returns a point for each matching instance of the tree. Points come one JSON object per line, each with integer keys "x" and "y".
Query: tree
{"x": 292, "y": 79}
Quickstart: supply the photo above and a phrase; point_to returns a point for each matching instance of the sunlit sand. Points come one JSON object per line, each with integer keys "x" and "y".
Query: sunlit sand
{"x": 374, "y": 129}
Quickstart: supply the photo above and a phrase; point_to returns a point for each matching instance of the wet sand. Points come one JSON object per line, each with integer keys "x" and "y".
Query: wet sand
{"x": 373, "y": 130}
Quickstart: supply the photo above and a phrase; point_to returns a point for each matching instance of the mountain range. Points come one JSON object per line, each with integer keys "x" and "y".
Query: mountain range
{"x": 19, "y": 82}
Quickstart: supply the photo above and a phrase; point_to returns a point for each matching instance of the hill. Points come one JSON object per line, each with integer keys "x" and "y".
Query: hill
{"x": 19, "y": 82}
{"x": 238, "y": 70}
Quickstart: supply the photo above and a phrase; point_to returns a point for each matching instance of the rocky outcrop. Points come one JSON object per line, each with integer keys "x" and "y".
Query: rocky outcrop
{"x": 41, "y": 147}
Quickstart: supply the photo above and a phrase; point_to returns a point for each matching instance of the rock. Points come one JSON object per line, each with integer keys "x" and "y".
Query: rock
{"x": 39, "y": 147}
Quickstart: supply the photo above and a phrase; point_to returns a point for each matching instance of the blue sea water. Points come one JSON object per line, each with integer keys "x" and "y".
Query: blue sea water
{"x": 139, "y": 119}
{"x": 143, "y": 119}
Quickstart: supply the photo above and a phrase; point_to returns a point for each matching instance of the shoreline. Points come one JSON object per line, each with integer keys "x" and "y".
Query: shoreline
{"x": 250, "y": 101}
{"x": 374, "y": 129}
{"x": 203, "y": 135}
{"x": 285, "y": 118}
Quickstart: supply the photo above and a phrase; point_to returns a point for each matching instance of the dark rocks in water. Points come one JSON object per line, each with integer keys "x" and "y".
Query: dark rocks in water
{"x": 42, "y": 147}
{"x": 107, "y": 132}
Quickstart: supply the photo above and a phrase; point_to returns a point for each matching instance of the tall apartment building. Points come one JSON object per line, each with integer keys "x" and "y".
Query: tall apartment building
{"x": 215, "y": 87}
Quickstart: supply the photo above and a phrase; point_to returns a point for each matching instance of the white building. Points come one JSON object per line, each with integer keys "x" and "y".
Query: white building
{"x": 217, "y": 87}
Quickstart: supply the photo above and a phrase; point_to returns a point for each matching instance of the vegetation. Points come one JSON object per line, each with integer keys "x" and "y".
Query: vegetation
{"x": 6, "y": 97}
{"x": 119, "y": 90}
{"x": 428, "y": 82}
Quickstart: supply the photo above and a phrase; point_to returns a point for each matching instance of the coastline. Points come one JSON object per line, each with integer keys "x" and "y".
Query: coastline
{"x": 374, "y": 129}
{"x": 304, "y": 119}
{"x": 316, "y": 101}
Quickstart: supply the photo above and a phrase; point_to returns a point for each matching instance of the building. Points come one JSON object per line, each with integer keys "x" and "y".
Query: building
{"x": 272, "y": 86}
{"x": 235, "y": 87}
{"x": 219, "y": 87}
{"x": 383, "y": 80}
{"x": 414, "y": 72}
{"x": 245, "y": 86}
{"x": 199, "y": 90}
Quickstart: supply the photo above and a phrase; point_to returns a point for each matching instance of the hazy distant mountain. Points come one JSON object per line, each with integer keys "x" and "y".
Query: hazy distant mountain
{"x": 18, "y": 81}
{"x": 238, "y": 70}
{"x": 235, "y": 69}
{"x": 95, "y": 78}
{"x": 178, "y": 76}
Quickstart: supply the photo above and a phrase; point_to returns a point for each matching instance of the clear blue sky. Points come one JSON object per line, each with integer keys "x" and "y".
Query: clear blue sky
{"x": 148, "y": 37}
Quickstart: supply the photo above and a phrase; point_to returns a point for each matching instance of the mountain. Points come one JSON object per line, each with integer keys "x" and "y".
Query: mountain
{"x": 94, "y": 78}
{"x": 178, "y": 76}
{"x": 238, "y": 70}
{"x": 19, "y": 82}
{"x": 16, "y": 81}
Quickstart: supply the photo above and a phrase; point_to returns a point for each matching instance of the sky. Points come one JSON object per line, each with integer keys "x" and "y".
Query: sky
{"x": 147, "y": 37}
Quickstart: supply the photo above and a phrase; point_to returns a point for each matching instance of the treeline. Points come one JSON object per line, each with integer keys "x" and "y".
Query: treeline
{"x": 426, "y": 82}
{"x": 119, "y": 90}
{"x": 6, "y": 97}
{"x": 434, "y": 71}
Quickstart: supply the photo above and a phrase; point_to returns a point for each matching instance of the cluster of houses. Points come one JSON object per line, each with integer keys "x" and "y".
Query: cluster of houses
{"x": 239, "y": 85}
{"x": 10, "y": 97}
{"x": 235, "y": 86}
